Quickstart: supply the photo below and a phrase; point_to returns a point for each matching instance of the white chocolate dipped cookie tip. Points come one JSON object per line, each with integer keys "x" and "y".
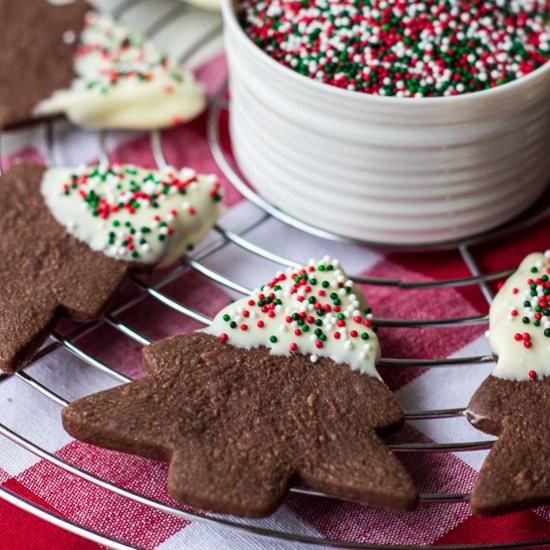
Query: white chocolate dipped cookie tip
{"x": 124, "y": 81}
{"x": 134, "y": 214}
{"x": 315, "y": 310}
{"x": 519, "y": 322}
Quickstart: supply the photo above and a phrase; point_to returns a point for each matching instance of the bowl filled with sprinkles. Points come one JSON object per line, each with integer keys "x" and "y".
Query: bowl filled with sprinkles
{"x": 392, "y": 121}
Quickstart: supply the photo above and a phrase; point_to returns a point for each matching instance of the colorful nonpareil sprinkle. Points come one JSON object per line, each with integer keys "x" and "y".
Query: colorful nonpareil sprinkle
{"x": 535, "y": 308}
{"x": 314, "y": 310}
{"x": 403, "y": 48}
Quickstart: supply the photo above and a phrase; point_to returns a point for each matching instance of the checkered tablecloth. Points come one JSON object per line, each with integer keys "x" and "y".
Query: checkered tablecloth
{"x": 37, "y": 418}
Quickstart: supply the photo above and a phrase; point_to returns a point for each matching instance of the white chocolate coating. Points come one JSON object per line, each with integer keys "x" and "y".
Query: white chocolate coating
{"x": 520, "y": 320}
{"x": 134, "y": 214}
{"x": 125, "y": 82}
{"x": 315, "y": 311}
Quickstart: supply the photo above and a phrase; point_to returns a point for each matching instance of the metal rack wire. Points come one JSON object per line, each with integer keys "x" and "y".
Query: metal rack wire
{"x": 197, "y": 263}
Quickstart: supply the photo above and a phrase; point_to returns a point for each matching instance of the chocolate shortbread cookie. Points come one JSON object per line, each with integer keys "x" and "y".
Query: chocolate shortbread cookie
{"x": 69, "y": 237}
{"x": 240, "y": 421}
{"x": 45, "y": 271}
{"x": 67, "y": 59}
{"x": 37, "y": 45}
{"x": 514, "y": 402}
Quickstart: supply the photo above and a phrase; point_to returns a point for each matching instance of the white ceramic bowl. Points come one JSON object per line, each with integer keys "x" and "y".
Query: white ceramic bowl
{"x": 386, "y": 169}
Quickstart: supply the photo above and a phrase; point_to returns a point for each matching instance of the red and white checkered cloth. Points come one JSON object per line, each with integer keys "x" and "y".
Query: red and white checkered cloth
{"x": 35, "y": 417}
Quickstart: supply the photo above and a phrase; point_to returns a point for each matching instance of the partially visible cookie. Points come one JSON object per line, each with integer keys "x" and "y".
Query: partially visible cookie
{"x": 69, "y": 237}
{"x": 45, "y": 272}
{"x": 514, "y": 402}
{"x": 65, "y": 59}
{"x": 37, "y": 45}
{"x": 245, "y": 410}
{"x": 122, "y": 80}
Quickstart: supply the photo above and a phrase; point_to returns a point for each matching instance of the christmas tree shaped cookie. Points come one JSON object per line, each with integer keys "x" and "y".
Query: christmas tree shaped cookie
{"x": 37, "y": 48}
{"x": 514, "y": 402}
{"x": 282, "y": 388}
{"x": 69, "y": 236}
{"x": 67, "y": 59}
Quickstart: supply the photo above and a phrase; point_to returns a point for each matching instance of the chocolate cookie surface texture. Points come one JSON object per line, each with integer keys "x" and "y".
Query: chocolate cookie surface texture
{"x": 282, "y": 388}
{"x": 514, "y": 402}
{"x": 69, "y": 236}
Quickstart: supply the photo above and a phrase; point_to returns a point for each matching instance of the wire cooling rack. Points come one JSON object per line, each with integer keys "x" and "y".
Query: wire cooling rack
{"x": 222, "y": 238}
